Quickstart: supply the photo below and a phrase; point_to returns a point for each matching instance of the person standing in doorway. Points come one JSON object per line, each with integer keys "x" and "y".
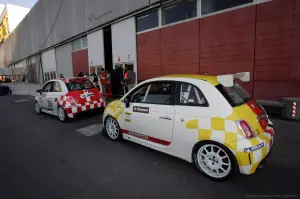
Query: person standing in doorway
{"x": 124, "y": 80}
{"x": 129, "y": 79}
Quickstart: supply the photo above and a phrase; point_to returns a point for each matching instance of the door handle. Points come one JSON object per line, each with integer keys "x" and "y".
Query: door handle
{"x": 165, "y": 118}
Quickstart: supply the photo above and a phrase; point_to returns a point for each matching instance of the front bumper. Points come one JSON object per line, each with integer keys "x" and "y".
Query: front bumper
{"x": 71, "y": 111}
{"x": 255, "y": 154}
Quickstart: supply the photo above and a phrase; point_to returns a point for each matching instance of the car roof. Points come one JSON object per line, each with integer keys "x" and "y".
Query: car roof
{"x": 208, "y": 78}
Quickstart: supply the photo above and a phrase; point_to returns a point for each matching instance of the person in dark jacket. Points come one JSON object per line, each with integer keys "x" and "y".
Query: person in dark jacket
{"x": 80, "y": 74}
{"x": 116, "y": 78}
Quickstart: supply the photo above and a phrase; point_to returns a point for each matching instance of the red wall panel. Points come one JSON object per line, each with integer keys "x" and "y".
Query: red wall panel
{"x": 227, "y": 43}
{"x": 149, "y": 54}
{"x": 180, "y": 48}
{"x": 274, "y": 49}
{"x": 263, "y": 39}
{"x": 80, "y": 62}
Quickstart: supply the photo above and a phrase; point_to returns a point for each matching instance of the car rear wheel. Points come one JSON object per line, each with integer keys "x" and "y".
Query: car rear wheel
{"x": 37, "y": 107}
{"x": 62, "y": 116}
{"x": 112, "y": 128}
{"x": 215, "y": 161}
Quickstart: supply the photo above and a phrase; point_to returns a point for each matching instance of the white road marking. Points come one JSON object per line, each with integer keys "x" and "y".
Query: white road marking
{"x": 23, "y": 100}
{"x": 90, "y": 130}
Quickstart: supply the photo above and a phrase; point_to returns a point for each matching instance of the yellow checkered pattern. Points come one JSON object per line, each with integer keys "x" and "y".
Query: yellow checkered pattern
{"x": 226, "y": 132}
{"x": 115, "y": 109}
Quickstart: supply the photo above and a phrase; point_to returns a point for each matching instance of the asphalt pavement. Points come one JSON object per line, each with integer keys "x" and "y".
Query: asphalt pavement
{"x": 42, "y": 158}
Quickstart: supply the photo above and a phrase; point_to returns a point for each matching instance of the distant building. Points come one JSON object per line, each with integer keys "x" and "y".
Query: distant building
{"x": 11, "y": 16}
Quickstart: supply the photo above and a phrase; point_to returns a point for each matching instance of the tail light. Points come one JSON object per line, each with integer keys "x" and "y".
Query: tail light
{"x": 263, "y": 121}
{"x": 246, "y": 129}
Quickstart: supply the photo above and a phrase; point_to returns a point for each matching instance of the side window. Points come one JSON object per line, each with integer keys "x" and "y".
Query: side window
{"x": 139, "y": 95}
{"x": 191, "y": 95}
{"x": 48, "y": 87}
{"x": 57, "y": 87}
{"x": 159, "y": 93}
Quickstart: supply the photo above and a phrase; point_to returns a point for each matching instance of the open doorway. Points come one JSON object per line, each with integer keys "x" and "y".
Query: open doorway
{"x": 116, "y": 66}
{"x": 108, "y": 62}
{"x": 130, "y": 66}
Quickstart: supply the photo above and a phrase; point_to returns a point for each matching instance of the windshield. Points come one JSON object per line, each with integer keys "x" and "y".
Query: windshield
{"x": 235, "y": 95}
{"x": 79, "y": 85}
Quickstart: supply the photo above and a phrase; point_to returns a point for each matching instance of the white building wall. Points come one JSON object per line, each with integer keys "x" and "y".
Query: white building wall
{"x": 15, "y": 15}
{"x": 49, "y": 61}
{"x": 96, "y": 49}
{"x": 124, "y": 41}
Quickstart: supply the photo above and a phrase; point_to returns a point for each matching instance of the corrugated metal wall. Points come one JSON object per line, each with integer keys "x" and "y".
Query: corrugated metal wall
{"x": 50, "y": 22}
{"x": 149, "y": 55}
{"x": 262, "y": 39}
{"x": 180, "y": 48}
{"x": 277, "y": 50}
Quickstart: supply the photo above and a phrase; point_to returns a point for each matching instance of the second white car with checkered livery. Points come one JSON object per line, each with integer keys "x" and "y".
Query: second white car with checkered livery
{"x": 67, "y": 97}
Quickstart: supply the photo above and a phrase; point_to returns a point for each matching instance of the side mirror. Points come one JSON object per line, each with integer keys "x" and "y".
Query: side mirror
{"x": 39, "y": 91}
{"x": 127, "y": 102}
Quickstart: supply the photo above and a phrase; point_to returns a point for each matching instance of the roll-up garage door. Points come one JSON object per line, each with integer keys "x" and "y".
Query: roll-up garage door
{"x": 96, "y": 49}
{"x": 124, "y": 42}
{"x": 63, "y": 55}
{"x": 49, "y": 64}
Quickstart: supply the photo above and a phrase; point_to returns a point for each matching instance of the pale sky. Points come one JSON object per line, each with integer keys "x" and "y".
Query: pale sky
{"x": 24, "y": 3}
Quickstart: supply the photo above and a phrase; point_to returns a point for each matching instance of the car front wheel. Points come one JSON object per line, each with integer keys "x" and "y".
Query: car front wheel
{"x": 62, "y": 116}
{"x": 37, "y": 107}
{"x": 112, "y": 128}
{"x": 215, "y": 161}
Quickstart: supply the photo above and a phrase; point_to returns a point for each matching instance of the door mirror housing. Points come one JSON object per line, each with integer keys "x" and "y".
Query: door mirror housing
{"x": 39, "y": 91}
{"x": 127, "y": 102}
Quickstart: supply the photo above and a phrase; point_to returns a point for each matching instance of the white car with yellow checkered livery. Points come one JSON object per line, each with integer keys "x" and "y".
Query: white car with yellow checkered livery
{"x": 207, "y": 120}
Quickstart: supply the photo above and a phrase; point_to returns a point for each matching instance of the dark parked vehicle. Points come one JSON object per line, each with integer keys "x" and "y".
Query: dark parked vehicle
{"x": 4, "y": 90}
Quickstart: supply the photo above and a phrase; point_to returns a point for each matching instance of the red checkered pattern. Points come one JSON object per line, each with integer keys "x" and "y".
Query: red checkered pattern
{"x": 72, "y": 109}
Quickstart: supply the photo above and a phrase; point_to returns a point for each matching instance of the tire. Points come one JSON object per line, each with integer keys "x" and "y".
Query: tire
{"x": 37, "y": 107}
{"x": 112, "y": 128}
{"x": 9, "y": 92}
{"x": 215, "y": 161}
{"x": 62, "y": 116}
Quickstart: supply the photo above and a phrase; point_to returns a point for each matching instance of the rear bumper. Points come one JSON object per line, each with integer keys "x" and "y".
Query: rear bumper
{"x": 255, "y": 156}
{"x": 73, "y": 110}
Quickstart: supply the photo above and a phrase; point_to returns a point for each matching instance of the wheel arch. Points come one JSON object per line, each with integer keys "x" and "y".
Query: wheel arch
{"x": 35, "y": 100}
{"x": 202, "y": 142}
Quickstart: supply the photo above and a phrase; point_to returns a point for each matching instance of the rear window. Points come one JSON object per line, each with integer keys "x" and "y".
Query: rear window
{"x": 235, "y": 95}
{"x": 79, "y": 85}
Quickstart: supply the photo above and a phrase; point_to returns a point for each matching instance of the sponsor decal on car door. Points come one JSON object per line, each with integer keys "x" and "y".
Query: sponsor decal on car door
{"x": 152, "y": 118}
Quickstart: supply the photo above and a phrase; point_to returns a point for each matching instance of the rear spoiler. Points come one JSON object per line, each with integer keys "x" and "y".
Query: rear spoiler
{"x": 228, "y": 80}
